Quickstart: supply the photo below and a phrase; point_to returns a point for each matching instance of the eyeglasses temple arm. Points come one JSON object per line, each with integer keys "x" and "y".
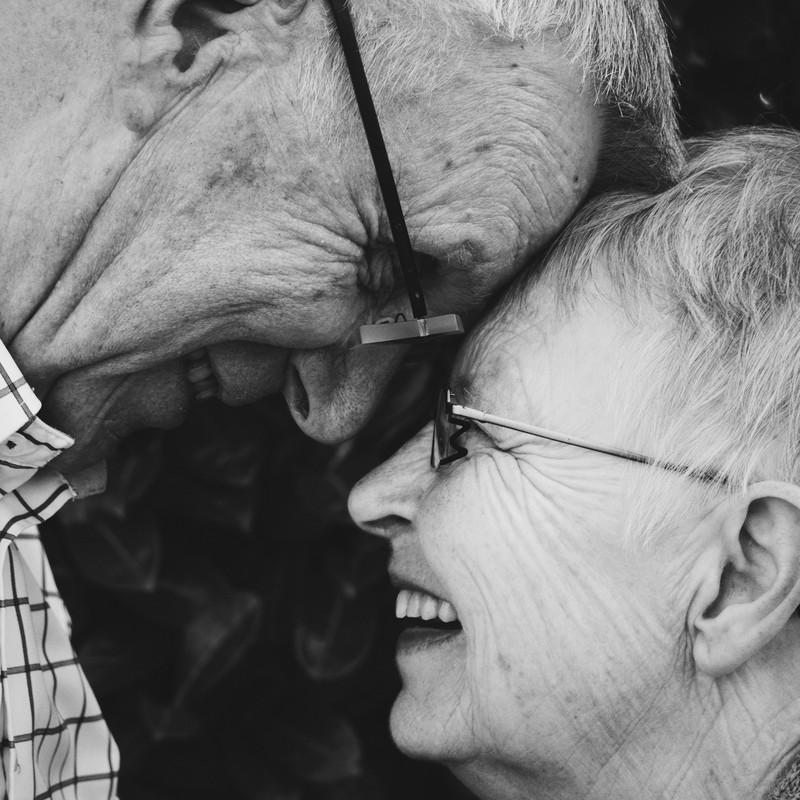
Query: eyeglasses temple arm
{"x": 544, "y": 433}
{"x": 380, "y": 157}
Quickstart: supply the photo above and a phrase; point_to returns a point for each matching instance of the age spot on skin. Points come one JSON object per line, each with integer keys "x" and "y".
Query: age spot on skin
{"x": 483, "y": 148}
{"x": 448, "y": 164}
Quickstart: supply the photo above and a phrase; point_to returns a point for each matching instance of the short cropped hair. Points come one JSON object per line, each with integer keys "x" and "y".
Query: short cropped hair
{"x": 709, "y": 272}
{"x": 620, "y": 45}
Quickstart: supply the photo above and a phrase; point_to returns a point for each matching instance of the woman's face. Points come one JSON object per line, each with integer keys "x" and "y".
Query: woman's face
{"x": 570, "y": 639}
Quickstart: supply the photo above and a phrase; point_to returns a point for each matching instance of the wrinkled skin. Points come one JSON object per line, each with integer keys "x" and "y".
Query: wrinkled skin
{"x": 149, "y": 212}
{"x": 573, "y": 675}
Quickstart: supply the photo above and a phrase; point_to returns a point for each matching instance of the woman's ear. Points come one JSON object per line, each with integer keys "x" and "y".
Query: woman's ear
{"x": 749, "y": 585}
{"x": 171, "y": 47}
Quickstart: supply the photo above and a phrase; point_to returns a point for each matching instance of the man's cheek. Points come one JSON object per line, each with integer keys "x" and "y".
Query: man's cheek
{"x": 304, "y": 309}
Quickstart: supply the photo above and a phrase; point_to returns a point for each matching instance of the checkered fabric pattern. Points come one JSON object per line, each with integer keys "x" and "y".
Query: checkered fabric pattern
{"x": 55, "y": 743}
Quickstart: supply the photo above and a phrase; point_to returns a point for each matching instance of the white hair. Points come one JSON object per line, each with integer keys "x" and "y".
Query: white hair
{"x": 709, "y": 274}
{"x": 620, "y": 46}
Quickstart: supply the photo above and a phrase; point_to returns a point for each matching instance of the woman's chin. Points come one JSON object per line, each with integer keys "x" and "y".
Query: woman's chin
{"x": 430, "y": 718}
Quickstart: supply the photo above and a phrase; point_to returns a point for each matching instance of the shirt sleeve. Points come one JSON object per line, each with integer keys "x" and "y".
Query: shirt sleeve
{"x": 18, "y": 404}
{"x": 54, "y": 742}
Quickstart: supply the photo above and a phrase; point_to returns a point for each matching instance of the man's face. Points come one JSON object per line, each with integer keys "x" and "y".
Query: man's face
{"x": 250, "y": 227}
{"x": 571, "y": 639}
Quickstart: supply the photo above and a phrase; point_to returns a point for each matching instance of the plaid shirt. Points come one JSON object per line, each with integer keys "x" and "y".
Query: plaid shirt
{"x": 55, "y": 743}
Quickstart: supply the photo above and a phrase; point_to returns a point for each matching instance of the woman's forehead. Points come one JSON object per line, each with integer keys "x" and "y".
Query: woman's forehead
{"x": 538, "y": 364}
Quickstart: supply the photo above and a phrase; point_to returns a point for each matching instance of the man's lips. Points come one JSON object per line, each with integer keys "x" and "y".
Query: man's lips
{"x": 200, "y": 375}
{"x": 246, "y": 371}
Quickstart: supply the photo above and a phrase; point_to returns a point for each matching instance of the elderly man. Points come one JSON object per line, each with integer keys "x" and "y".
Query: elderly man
{"x": 600, "y": 560}
{"x": 189, "y": 209}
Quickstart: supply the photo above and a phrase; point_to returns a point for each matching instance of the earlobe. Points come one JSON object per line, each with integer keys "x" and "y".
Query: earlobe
{"x": 749, "y": 584}
{"x": 149, "y": 80}
{"x": 286, "y": 11}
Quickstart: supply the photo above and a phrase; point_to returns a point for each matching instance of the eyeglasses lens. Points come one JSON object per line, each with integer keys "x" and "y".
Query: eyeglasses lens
{"x": 443, "y": 432}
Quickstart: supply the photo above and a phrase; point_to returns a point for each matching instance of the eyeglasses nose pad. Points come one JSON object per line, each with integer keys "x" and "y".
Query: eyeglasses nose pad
{"x": 427, "y": 328}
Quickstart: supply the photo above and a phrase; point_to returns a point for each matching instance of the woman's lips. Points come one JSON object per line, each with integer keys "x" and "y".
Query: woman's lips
{"x": 414, "y": 640}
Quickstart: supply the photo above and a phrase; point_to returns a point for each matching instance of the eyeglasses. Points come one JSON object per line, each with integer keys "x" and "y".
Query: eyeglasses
{"x": 451, "y": 421}
{"x": 422, "y": 326}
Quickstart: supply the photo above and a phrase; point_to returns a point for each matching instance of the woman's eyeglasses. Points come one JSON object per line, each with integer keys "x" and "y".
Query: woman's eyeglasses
{"x": 452, "y": 420}
{"x": 421, "y": 326}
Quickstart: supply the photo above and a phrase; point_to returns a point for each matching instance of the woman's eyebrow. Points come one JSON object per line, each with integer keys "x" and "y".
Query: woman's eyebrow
{"x": 461, "y": 385}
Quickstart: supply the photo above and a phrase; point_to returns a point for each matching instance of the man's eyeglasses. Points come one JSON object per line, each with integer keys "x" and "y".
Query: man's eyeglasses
{"x": 422, "y": 326}
{"x": 452, "y": 420}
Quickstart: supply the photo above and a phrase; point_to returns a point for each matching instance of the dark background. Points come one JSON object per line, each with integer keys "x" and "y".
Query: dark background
{"x": 238, "y": 631}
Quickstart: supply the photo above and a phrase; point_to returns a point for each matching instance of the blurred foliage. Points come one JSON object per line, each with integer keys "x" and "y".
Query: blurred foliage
{"x": 737, "y": 62}
{"x": 237, "y": 629}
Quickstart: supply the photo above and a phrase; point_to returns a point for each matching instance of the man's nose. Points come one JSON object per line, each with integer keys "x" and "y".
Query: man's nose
{"x": 332, "y": 393}
{"x": 386, "y": 501}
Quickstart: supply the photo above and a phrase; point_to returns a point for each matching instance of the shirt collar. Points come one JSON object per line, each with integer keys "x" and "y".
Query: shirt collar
{"x": 18, "y": 404}
{"x": 27, "y": 444}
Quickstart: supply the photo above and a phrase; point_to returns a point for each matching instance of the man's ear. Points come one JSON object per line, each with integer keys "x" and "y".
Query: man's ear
{"x": 171, "y": 47}
{"x": 749, "y": 584}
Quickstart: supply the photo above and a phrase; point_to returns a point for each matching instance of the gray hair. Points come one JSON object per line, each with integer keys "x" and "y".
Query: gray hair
{"x": 709, "y": 273}
{"x": 620, "y": 45}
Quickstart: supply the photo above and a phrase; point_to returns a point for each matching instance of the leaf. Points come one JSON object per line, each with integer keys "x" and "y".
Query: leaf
{"x": 215, "y": 641}
{"x": 168, "y": 722}
{"x": 359, "y": 566}
{"x": 256, "y": 777}
{"x": 312, "y": 742}
{"x": 341, "y": 641}
{"x": 136, "y": 791}
{"x": 362, "y": 788}
{"x": 335, "y": 622}
{"x": 135, "y": 469}
{"x": 231, "y": 508}
{"x": 183, "y": 590}
{"x": 116, "y": 663}
{"x": 117, "y": 552}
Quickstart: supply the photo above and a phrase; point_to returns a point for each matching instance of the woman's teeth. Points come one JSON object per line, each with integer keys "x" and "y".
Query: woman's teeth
{"x": 421, "y": 605}
{"x": 201, "y": 376}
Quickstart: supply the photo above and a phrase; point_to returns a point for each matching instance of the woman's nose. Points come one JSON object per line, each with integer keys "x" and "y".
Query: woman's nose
{"x": 385, "y": 502}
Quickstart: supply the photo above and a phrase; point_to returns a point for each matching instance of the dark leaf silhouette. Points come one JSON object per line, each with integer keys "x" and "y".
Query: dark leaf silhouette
{"x": 258, "y": 777}
{"x": 169, "y": 722}
{"x": 335, "y": 624}
{"x": 216, "y": 640}
{"x": 313, "y": 742}
{"x": 117, "y": 550}
{"x": 112, "y": 663}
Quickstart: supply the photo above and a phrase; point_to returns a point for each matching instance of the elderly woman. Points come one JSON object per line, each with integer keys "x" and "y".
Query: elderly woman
{"x": 599, "y": 555}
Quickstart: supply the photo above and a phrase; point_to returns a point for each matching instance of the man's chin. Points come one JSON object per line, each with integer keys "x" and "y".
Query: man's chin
{"x": 99, "y": 412}
{"x": 85, "y": 455}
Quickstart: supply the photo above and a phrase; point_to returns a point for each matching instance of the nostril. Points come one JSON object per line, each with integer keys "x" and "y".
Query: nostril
{"x": 300, "y": 402}
{"x": 386, "y": 526}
